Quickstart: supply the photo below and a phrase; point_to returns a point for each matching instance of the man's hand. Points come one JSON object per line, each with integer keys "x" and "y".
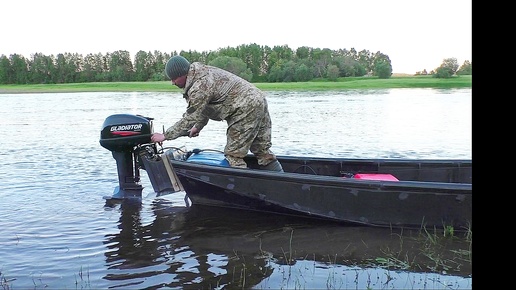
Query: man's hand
{"x": 194, "y": 132}
{"x": 157, "y": 138}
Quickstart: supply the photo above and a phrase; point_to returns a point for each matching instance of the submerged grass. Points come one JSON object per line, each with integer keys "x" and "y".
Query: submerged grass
{"x": 436, "y": 251}
{"x": 5, "y": 282}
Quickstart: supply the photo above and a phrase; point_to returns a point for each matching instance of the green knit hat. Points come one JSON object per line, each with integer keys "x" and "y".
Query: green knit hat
{"x": 177, "y": 66}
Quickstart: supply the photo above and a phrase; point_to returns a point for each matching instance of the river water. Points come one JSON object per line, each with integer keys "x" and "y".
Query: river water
{"x": 56, "y": 231}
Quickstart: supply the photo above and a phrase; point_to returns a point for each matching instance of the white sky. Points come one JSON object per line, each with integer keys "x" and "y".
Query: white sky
{"x": 415, "y": 34}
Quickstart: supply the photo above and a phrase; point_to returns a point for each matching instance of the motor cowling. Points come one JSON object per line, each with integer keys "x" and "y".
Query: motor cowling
{"x": 122, "y": 132}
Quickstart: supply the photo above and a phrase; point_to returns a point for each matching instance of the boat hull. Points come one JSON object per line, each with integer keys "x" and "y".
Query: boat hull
{"x": 382, "y": 203}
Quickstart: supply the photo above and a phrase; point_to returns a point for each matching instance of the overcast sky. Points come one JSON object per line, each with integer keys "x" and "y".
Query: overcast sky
{"x": 415, "y": 34}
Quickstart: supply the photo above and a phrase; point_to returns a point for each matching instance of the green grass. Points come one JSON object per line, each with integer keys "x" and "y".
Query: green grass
{"x": 340, "y": 84}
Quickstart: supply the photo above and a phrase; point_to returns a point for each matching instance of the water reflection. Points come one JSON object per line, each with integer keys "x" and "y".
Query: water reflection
{"x": 204, "y": 248}
{"x": 178, "y": 249}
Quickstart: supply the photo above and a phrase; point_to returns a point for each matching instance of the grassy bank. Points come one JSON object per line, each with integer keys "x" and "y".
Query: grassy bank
{"x": 166, "y": 86}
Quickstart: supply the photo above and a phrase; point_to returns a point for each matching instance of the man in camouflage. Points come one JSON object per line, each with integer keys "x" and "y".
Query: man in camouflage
{"x": 214, "y": 93}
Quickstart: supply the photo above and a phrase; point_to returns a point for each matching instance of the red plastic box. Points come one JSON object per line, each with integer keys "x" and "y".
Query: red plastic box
{"x": 375, "y": 176}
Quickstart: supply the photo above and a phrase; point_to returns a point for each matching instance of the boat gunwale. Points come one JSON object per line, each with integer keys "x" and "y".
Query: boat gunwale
{"x": 325, "y": 180}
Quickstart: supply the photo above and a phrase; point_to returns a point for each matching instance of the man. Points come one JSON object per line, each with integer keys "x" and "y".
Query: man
{"x": 213, "y": 93}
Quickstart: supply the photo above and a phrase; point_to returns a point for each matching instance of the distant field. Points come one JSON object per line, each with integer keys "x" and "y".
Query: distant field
{"x": 166, "y": 86}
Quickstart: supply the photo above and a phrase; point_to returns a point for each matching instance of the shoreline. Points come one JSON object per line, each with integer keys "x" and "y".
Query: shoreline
{"x": 347, "y": 83}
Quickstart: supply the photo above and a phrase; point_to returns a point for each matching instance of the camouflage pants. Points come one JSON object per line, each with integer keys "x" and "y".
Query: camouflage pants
{"x": 249, "y": 129}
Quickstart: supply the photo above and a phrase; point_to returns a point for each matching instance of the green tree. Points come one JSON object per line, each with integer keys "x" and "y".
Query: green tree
{"x": 120, "y": 66}
{"x": 383, "y": 69}
{"x": 193, "y": 56}
{"x": 275, "y": 73}
{"x": 280, "y": 52}
{"x": 95, "y": 68}
{"x": 5, "y": 70}
{"x": 303, "y": 52}
{"x": 144, "y": 64}
{"x": 302, "y": 73}
{"x": 160, "y": 61}
{"x": 382, "y": 65}
{"x": 366, "y": 61}
{"x": 234, "y": 65}
{"x": 67, "y": 68}
{"x": 75, "y": 63}
{"x": 321, "y": 59}
{"x": 228, "y": 51}
{"x": 60, "y": 71}
{"x": 283, "y": 71}
{"x": 20, "y": 69}
{"x": 253, "y": 58}
{"x": 465, "y": 69}
{"x": 289, "y": 69}
{"x": 447, "y": 69}
{"x": 276, "y": 64}
{"x": 333, "y": 72}
{"x": 348, "y": 67}
{"x": 42, "y": 69}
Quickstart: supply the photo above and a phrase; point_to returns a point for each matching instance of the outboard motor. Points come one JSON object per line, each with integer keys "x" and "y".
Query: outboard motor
{"x": 121, "y": 134}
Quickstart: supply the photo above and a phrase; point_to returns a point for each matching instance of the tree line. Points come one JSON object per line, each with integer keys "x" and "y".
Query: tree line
{"x": 252, "y": 62}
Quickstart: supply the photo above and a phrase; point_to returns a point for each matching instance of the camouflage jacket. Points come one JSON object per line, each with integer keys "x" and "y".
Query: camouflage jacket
{"x": 213, "y": 93}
